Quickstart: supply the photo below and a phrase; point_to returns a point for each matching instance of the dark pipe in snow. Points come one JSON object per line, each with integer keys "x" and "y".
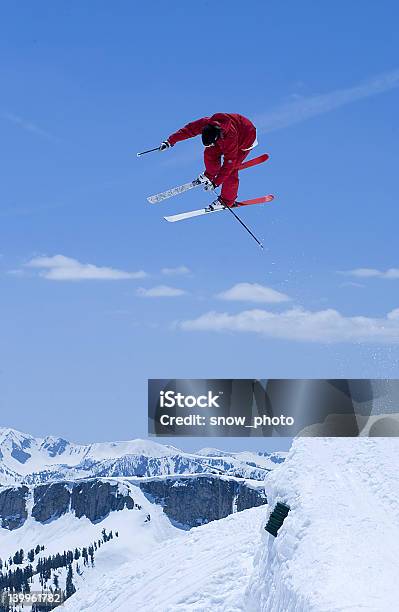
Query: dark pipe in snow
{"x": 276, "y": 518}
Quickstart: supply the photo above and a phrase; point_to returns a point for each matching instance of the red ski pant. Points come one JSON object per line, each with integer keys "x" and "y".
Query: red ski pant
{"x": 213, "y": 163}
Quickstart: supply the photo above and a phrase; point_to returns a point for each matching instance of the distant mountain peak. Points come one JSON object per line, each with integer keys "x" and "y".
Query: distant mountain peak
{"x": 13, "y": 435}
{"x": 38, "y": 460}
{"x": 54, "y": 446}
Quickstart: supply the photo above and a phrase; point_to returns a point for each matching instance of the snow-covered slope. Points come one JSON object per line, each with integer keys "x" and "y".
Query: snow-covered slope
{"x": 7, "y": 476}
{"x": 203, "y": 570}
{"x": 37, "y": 460}
{"x": 134, "y": 536}
{"x": 68, "y": 532}
{"x": 338, "y": 548}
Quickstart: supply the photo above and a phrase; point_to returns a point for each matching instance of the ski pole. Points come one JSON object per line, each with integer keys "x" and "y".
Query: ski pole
{"x": 243, "y": 224}
{"x": 149, "y": 151}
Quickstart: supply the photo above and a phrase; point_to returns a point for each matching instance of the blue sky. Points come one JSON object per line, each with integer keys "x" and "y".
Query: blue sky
{"x": 84, "y": 87}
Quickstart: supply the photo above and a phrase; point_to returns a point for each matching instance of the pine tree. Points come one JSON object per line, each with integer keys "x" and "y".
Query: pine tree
{"x": 18, "y": 557}
{"x": 85, "y": 556}
{"x": 69, "y": 587}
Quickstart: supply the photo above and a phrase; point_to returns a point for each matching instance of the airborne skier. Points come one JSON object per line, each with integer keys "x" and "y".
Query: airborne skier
{"x": 226, "y": 135}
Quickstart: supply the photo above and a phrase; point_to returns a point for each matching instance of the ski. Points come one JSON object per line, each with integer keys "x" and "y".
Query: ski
{"x": 169, "y": 193}
{"x": 217, "y": 208}
{"x": 254, "y": 162}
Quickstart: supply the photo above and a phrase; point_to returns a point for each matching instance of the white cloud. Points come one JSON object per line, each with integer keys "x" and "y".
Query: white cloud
{"x": 253, "y": 292}
{"x": 302, "y": 108}
{"x": 325, "y": 326}
{"x": 391, "y": 273}
{"x": 178, "y": 271}
{"x": 61, "y": 268}
{"x": 160, "y": 291}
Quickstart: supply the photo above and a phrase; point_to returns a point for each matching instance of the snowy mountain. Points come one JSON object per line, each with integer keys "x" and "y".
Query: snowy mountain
{"x": 24, "y": 458}
{"x": 133, "y": 535}
{"x": 187, "y": 501}
{"x": 130, "y": 543}
{"x": 336, "y": 550}
{"x": 68, "y": 510}
{"x": 69, "y": 530}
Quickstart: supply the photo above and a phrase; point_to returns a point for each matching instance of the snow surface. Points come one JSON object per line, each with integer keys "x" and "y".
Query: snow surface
{"x": 338, "y": 549}
{"x": 68, "y": 532}
{"x": 205, "y": 569}
{"x": 136, "y": 537}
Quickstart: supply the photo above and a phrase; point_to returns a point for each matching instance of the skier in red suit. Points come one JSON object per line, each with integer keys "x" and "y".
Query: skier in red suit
{"x": 226, "y": 135}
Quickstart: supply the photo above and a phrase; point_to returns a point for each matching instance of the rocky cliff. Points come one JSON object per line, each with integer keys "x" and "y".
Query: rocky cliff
{"x": 13, "y": 511}
{"x": 92, "y": 498}
{"x": 187, "y": 501}
{"x": 193, "y": 501}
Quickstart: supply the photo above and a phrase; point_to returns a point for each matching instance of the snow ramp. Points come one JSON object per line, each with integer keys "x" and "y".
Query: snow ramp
{"x": 338, "y": 549}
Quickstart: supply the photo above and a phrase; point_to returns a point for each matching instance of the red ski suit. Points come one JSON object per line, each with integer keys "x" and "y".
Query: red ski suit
{"x": 237, "y": 137}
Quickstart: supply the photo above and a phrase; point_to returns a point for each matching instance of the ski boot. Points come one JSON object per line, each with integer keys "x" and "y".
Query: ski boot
{"x": 217, "y": 204}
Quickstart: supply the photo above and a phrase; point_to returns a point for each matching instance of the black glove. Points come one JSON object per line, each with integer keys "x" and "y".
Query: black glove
{"x": 164, "y": 145}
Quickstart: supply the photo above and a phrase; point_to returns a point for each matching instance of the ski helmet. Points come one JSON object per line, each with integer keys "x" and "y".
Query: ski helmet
{"x": 210, "y": 134}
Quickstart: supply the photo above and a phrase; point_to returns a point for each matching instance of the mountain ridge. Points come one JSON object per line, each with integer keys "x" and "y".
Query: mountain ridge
{"x": 34, "y": 460}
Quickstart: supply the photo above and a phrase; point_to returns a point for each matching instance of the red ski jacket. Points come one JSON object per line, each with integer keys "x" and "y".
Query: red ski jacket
{"x": 237, "y": 135}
